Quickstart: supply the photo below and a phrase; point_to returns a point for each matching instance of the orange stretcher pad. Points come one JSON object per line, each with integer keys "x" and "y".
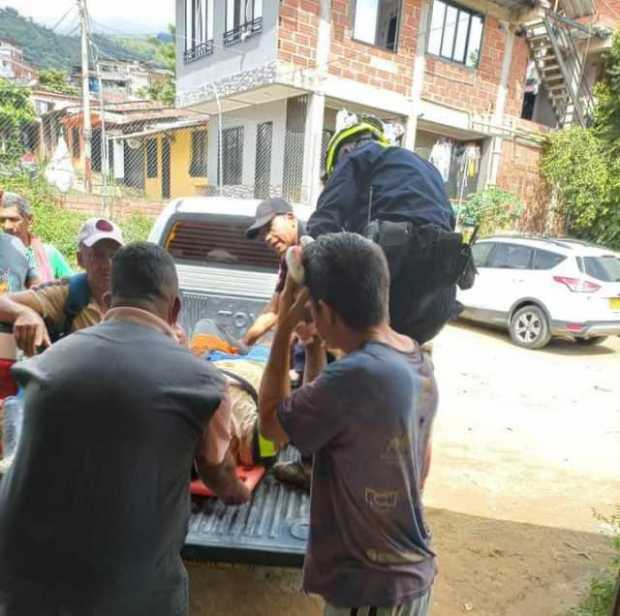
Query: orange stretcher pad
{"x": 250, "y": 476}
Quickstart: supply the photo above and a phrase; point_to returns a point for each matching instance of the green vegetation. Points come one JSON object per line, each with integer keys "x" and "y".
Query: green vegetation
{"x": 60, "y": 226}
{"x": 583, "y": 164}
{"x": 16, "y": 115}
{"x": 165, "y": 54}
{"x": 599, "y": 600}
{"x": 57, "y": 80}
{"x": 45, "y": 48}
{"x": 492, "y": 209}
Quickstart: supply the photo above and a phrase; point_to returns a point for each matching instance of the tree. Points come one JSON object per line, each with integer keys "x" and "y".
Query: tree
{"x": 56, "y": 80}
{"x": 164, "y": 90}
{"x": 16, "y": 117}
{"x": 583, "y": 164}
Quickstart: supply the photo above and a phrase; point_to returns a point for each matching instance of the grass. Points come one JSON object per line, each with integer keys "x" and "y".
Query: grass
{"x": 600, "y": 595}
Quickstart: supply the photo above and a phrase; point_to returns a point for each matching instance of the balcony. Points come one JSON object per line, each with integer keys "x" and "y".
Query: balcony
{"x": 198, "y": 51}
{"x": 243, "y": 32}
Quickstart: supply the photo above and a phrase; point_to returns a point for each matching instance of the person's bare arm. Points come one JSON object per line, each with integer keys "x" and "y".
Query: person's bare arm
{"x": 264, "y": 322}
{"x": 315, "y": 360}
{"x": 29, "y": 329}
{"x": 222, "y": 479}
{"x": 275, "y": 385}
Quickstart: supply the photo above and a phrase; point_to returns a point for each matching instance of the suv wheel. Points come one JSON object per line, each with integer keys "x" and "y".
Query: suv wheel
{"x": 591, "y": 341}
{"x": 529, "y": 328}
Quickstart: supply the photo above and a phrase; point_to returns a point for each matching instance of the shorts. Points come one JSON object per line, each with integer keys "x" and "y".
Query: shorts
{"x": 420, "y": 606}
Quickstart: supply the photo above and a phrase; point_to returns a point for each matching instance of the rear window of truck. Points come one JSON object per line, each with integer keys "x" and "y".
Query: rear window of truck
{"x": 219, "y": 241}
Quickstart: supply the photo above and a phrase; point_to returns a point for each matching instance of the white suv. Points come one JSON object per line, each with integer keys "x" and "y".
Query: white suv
{"x": 540, "y": 288}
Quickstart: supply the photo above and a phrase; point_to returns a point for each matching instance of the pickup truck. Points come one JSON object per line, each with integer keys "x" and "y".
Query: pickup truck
{"x": 228, "y": 278}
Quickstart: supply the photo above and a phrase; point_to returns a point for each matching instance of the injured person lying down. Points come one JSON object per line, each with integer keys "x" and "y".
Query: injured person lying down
{"x": 244, "y": 370}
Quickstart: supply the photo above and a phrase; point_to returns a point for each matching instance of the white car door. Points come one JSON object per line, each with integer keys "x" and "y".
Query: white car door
{"x": 506, "y": 277}
{"x": 474, "y": 297}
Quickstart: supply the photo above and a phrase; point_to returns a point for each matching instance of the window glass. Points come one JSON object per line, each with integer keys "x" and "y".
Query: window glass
{"x": 455, "y": 33}
{"x": 544, "y": 259}
{"x": 376, "y": 22}
{"x": 434, "y": 38}
{"x": 606, "y": 269}
{"x": 232, "y": 156}
{"x": 511, "y": 256}
{"x": 481, "y": 252}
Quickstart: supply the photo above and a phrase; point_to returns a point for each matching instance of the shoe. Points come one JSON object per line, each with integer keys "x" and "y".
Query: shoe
{"x": 294, "y": 473}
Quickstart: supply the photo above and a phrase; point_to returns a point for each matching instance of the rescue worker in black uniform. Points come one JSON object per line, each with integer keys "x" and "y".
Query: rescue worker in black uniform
{"x": 398, "y": 199}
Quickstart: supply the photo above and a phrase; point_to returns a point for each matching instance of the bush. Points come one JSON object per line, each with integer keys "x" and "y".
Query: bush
{"x": 58, "y": 226}
{"x": 492, "y": 209}
{"x": 600, "y": 597}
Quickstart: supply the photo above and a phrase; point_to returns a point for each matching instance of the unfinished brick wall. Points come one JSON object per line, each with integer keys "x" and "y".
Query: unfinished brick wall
{"x": 519, "y": 173}
{"x": 298, "y": 25}
{"x": 473, "y": 90}
{"x": 372, "y": 65}
{"x": 92, "y": 206}
{"x": 516, "y": 77}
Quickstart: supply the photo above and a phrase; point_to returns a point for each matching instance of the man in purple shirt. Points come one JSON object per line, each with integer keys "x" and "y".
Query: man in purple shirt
{"x": 367, "y": 420}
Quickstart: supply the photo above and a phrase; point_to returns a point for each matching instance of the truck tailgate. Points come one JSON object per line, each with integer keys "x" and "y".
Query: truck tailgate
{"x": 272, "y": 529}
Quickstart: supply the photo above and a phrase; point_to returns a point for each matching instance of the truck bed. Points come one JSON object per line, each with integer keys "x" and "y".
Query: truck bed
{"x": 272, "y": 529}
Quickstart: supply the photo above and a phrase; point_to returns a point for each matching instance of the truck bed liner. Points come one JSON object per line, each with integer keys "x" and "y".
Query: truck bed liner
{"x": 272, "y": 529}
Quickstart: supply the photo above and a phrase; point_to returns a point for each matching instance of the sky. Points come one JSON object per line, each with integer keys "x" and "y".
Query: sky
{"x": 131, "y": 17}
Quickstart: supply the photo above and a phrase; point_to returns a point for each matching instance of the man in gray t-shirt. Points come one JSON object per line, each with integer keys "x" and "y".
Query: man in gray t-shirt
{"x": 367, "y": 419}
{"x": 17, "y": 267}
{"x": 94, "y": 510}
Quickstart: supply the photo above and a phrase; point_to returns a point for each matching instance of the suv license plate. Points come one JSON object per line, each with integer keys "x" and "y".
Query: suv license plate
{"x": 614, "y": 304}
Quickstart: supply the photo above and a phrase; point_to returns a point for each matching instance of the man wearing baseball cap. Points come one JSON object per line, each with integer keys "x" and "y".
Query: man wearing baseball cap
{"x": 277, "y": 225}
{"x": 60, "y": 307}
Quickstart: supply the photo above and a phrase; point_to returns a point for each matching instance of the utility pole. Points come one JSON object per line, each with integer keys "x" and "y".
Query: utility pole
{"x": 87, "y": 132}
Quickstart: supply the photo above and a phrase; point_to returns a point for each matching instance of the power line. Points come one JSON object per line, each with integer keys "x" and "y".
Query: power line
{"x": 69, "y": 10}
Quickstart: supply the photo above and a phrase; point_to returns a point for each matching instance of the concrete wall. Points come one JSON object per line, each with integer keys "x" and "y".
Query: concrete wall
{"x": 252, "y": 53}
{"x": 249, "y": 118}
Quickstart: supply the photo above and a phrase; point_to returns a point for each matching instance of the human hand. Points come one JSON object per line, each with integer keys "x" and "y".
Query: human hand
{"x": 180, "y": 334}
{"x": 292, "y": 308}
{"x": 30, "y": 332}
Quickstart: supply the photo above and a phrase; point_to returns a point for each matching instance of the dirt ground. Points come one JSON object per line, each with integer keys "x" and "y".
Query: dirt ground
{"x": 526, "y": 445}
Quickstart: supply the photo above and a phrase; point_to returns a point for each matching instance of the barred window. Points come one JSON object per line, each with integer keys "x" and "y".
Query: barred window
{"x": 232, "y": 156}
{"x": 198, "y": 163}
{"x": 244, "y": 18}
{"x": 151, "y": 158}
{"x": 198, "y": 29}
{"x": 455, "y": 33}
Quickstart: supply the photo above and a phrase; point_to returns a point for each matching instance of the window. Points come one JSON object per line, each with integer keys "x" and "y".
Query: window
{"x": 511, "y": 256}
{"x": 151, "y": 158}
{"x": 545, "y": 260}
{"x": 604, "y": 268}
{"x": 455, "y": 34}
{"x": 75, "y": 142}
{"x": 376, "y": 22}
{"x": 198, "y": 29}
{"x": 232, "y": 156}
{"x": 244, "y": 18}
{"x": 217, "y": 242}
{"x": 481, "y": 253}
{"x": 198, "y": 163}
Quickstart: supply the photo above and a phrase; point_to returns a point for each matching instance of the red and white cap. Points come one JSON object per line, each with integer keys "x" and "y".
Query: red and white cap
{"x": 97, "y": 229}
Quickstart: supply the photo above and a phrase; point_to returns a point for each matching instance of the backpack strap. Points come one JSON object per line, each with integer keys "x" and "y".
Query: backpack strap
{"x": 77, "y": 300}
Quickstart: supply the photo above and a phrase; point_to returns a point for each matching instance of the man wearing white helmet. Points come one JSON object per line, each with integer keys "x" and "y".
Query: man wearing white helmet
{"x": 60, "y": 307}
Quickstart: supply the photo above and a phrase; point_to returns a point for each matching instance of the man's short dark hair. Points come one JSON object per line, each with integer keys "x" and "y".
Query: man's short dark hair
{"x": 143, "y": 271}
{"x": 349, "y": 273}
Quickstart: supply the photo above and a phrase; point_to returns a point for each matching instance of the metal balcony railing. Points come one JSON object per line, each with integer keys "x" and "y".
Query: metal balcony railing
{"x": 198, "y": 51}
{"x": 243, "y": 32}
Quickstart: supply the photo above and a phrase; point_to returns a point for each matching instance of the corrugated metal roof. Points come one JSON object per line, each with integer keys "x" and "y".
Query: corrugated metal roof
{"x": 272, "y": 529}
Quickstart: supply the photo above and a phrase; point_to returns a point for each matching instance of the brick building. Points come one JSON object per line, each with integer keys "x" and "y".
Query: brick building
{"x": 13, "y": 67}
{"x": 455, "y": 75}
